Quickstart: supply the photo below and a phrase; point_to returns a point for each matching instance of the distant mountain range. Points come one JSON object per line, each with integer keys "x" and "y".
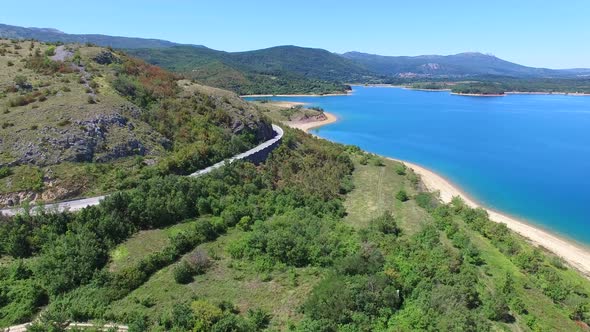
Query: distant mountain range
{"x": 293, "y": 69}
{"x": 54, "y": 35}
{"x": 462, "y": 64}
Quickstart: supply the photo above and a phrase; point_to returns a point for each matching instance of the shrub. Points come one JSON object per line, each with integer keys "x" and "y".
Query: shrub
{"x": 386, "y": 224}
{"x": 497, "y": 309}
{"x": 245, "y": 223}
{"x": 64, "y": 123}
{"x": 91, "y": 100}
{"x": 364, "y": 160}
{"x": 426, "y": 201}
{"x": 5, "y": 171}
{"x": 44, "y": 65}
{"x": 206, "y": 315}
{"x": 21, "y": 81}
{"x": 10, "y": 63}
{"x": 413, "y": 178}
{"x": 183, "y": 273}
{"x": 259, "y": 318}
{"x": 21, "y": 100}
{"x": 377, "y": 162}
{"x": 199, "y": 261}
{"x": 402, "y": 196}
{"x": 400, "y": 169}
{"x": 34, "y": 127}
{"x": 50, "y": 51}
{"x": 7, "y": 124}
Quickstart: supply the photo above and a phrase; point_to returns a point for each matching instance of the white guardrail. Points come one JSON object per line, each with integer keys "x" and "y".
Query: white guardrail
{"x": 79, "y": 204}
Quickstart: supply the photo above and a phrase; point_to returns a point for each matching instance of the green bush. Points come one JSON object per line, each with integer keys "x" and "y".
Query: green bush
{"x": 386, "y": 224}
{"x": 5, "y": 171}
{"x": 377, "y": 161}
{"x": 259, "y": 318}
{"x": 426, "y": 201}
{"x": 183, "y": 273}
{"x": 400, "y": 169}
{"x": 402, "y": 196}
{"x": 50, "y": 51}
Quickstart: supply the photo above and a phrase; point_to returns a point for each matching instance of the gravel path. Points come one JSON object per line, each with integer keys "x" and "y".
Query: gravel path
{"x": 62, "y": 54}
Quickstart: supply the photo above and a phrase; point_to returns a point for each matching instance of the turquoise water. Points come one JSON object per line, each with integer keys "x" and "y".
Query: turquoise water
{"x": 525, "y": 155}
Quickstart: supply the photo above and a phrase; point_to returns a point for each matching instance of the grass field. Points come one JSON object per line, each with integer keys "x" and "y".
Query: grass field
{"x": 279, "y": 292}
{"x": 374, "y": 194}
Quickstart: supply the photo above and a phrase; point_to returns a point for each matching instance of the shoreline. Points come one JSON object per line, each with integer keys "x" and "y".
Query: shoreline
{"x": 478, "y": 94}
{"x": 405, "y": 87}
{"x": 298, "y": 95}
{"x": 307, "y": 126}
{"x": 576, "y": 255}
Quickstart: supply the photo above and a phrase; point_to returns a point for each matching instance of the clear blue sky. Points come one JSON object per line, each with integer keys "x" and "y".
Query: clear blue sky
{"x": 554, "y": 34}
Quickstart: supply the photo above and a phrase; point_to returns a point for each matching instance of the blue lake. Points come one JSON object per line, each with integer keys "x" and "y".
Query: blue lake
{"x": 525, "y": 155}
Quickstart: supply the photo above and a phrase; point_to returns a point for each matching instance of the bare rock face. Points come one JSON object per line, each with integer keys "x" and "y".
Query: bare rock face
{"x": 102, "y": 138}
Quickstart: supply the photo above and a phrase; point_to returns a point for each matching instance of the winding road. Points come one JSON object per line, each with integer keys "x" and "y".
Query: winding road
{"x": 79, "y": 204}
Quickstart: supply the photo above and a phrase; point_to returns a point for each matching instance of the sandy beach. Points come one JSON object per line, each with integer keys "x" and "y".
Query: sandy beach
{"x": 575, "y": 255}
{"x": 306, "y": 126}
{"x": 287, "y": 104}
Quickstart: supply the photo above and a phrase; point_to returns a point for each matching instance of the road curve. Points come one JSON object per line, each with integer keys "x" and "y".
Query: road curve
{"x": 79, "y": 204}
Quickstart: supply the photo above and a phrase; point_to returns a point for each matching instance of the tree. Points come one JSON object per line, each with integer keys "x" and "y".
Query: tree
{"x": 71, "y": 260}
{"x": 331, "y": 300}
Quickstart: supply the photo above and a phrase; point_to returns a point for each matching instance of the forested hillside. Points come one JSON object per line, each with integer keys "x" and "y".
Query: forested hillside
{"x": 321, "y": 237}
{"x": 277, "y": 70}
{"x": 78, "y": 120}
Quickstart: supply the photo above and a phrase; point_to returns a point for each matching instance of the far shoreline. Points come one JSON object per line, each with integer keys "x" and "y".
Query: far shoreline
{"x": 405, "y": 87}
{"x": 576, "y": 254}
{"x": 348, "y": 93}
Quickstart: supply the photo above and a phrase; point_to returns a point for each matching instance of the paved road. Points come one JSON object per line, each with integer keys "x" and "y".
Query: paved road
{"x": 79, "y": 204}
{"x": 105, "y": 327}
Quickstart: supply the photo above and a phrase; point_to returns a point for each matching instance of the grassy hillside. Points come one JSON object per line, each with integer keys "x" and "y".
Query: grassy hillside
{"x": 277, "y": 70}
{"x": 321, "y": 237}
{"x": 78, "y": 120}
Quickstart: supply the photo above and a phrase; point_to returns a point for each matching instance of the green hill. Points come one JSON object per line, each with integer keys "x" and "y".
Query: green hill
{"x": 277, "y": 70}
{"x": 78, "y": 120}
{"x": 321, "y": 237}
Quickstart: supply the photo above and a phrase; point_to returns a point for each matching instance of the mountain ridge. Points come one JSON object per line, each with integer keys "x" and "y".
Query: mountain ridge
{"x": 289, "y": 69}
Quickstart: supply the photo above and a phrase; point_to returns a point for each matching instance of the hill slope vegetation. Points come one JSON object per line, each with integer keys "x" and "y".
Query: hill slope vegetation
{"x": 321, "y": 237}
{"x": 298, "y": 70}
{"x": 81, "y": 120}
